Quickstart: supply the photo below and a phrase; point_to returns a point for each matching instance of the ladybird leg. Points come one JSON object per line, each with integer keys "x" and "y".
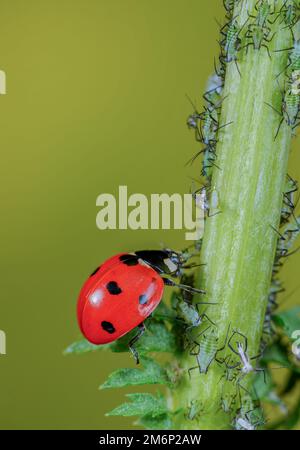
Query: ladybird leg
{"x": 133, "y": 350}
{"x": 184, "y": 287}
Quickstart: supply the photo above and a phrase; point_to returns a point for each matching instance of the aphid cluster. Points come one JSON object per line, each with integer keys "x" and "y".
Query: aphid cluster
{"x": 249, "y": 416}
{"x": 259, "y": 33}
{"x": 287, "y": 235}
{"x": 290, "y": 13}
{"x": 238, "y": 38}
{"x": 290, "y": 95}
{"x": 206, "y": 126}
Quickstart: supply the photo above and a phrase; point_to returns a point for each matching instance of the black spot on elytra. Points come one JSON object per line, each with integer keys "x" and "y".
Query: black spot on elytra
{"x": 129, "y": 260}
{"x": 95, "y": 271}
{"x": 108, "y": 326}
{"x": 113, "y": 288}
{"x": 143, "y": 299}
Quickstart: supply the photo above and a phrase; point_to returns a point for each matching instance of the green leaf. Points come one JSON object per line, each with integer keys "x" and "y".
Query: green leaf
{"x": 141, "y": 404}
{"x": 82, "y": 346}
{"x": 263, "y": 388}
{"x": 288, "y": 320}
{"x": 157, "y": 338}
{"x": 162, "y": 422}
{"x": 153, "y": 373}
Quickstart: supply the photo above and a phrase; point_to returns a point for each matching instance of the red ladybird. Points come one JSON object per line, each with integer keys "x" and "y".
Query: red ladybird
{"x": 121, "y": 293}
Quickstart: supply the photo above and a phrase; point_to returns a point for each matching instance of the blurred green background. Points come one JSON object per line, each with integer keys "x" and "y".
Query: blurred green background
{"x": 95, "y": 99}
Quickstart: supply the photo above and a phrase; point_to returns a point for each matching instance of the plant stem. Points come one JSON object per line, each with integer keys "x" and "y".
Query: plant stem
{"x": 239, "y": 242}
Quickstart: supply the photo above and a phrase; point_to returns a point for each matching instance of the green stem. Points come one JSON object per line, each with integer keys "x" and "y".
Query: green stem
{"x": 239, "y": 243}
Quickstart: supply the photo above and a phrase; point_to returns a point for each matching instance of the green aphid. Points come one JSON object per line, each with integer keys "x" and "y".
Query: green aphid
{"x": 259, "y": 37}
{"x": 209, "y": 126}
{"x": 263, "y": 13}
{"x": 290, "y": 13}
{"x": 189, "y": 314}
{"x": 232, "y": 42}
{"x": 206, "y": 350}
{"x": 258, "y": 31}
{"x": 208, "y": 162}
{"x": 227, "y": 398}
{"x": 194, "y": 409}
{"x": 290, "y": 107}
{"x": 294, "y": 59}
{"x": 212, "y": 97}
{"x": 250, "y": 415}
{"x": 293, "y": 66}
{"x": 229, "y": 6}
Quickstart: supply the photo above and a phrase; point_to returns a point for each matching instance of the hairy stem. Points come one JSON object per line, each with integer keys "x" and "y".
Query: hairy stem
{"x": 240, "y": 238}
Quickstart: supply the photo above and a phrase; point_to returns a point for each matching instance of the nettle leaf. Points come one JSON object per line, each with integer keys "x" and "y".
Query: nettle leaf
{"x": 288, "y": 320}
{"x": 152, "y": 373}
{"x": 164, "y": 313}
{"x": 141, "y": 404}
{"x": 157, "y": 338}
{"x": 82, "y": 346}
{"x": 162, "y": 422}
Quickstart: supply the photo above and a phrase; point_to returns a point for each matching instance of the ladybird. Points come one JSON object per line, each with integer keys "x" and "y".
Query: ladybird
{"x": 122, "y": 292}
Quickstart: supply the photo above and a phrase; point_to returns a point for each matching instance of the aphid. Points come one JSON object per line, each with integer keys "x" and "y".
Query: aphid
{"x": 231, "y": 44}
{"x": 209, "y": 128}
{"x": 208, "y": 200}
{"x": 207, "y": 349}
{"x": 263, "y": 9}
{"x": 194, "y": 410}
{"x": 189, "y": 314}
{"x": 228, "y": 398}
{"x": 122, "y": 292}
{"x": 229, "y": 6}
{"x": 205, "y": 124}
{"x": 290, "y": 108}
{"x": 289, "y": 12}
{"x": 208, "y": 162}
{"x": 258, "y": 31}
